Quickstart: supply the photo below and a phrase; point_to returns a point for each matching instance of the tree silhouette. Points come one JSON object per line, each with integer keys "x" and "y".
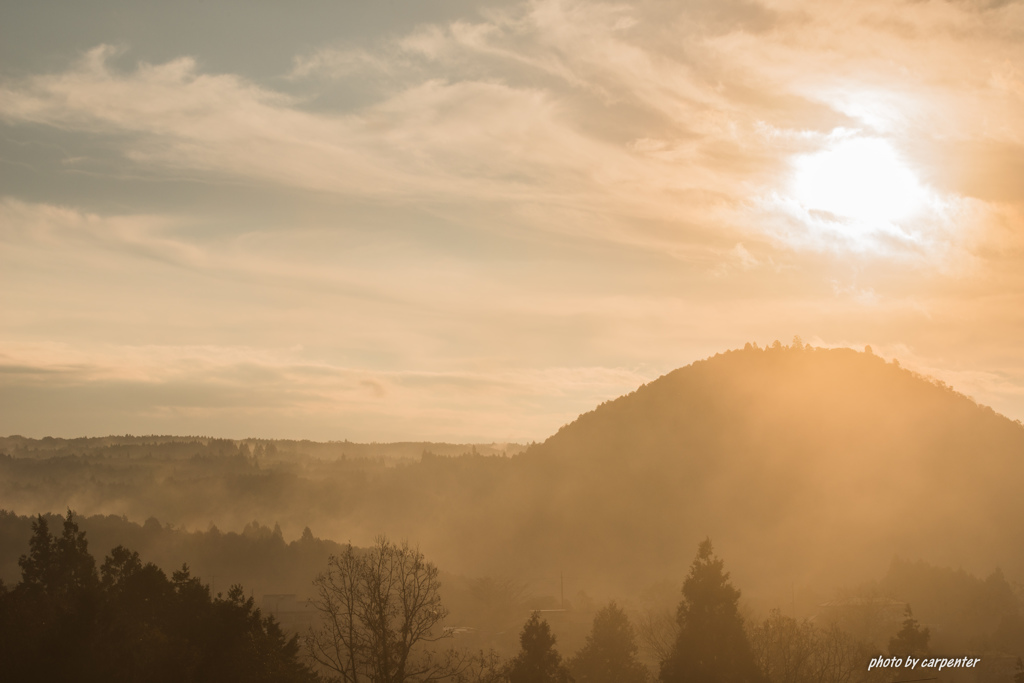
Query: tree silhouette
{"x": 60, "y": 566}
{"x": 712, "y": 646}
{"x": 47, "y": 621}
{"x": 911, "y": 639}
{"x": 610, "y": 653}
{"x": 377, "y": 608}
{"x": 538, "y": 661}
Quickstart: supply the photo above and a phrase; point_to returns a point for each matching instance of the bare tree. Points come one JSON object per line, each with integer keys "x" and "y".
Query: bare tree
{"x": 787, "y": 650}
{"x": 378, "y": 608}
{"x": 839, "y": 658}
{"x": 658, "y": 631}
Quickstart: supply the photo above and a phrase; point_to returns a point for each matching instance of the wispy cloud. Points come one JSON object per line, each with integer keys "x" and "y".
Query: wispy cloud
{"x": 48, "y": 226}
{"x": 587, "y": 110}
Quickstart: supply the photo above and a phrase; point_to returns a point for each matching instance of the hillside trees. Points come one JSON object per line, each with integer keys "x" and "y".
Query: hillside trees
{"x": 378, "y": 608}
{"x": 712, "y": 645}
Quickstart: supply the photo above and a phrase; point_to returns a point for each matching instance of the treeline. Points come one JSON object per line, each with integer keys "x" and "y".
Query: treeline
{"x": 167, "y": 446}
{"x": 381, "y": 619}
{"x": 66, "y": 621}
{"x": 257, "y": 557}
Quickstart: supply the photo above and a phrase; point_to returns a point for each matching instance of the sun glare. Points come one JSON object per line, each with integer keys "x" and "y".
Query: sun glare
{"x": 862, "y": 179}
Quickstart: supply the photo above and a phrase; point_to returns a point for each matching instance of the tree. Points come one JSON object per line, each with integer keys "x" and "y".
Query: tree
{"x": 784, "y": 648}
{"x": 53, "y": 608}
{"x": 712, "y": 646}
{"x": 609, "y": 655}
{"x": 911, "y": 639}
{"x": 59, "y": 566}
{"x": 62, "y": 622}
{"x": 538, "y": 661}
{"x": 378, "y": 608}
{"x": 658, "y": 631}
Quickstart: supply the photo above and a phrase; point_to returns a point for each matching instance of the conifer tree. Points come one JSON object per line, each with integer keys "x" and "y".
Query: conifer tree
{"x": 609, "y": 655}
{"x": 712, "y": 645}
{"x": 911, "y": 639}
{"x": 538, "y": 661}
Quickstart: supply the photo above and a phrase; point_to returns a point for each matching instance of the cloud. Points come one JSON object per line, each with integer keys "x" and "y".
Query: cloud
{"x": 47, "y": 226}
{"x": 594, "y": 111}
{"x": 440, "y": 136}
{"x": 471, "y": 141}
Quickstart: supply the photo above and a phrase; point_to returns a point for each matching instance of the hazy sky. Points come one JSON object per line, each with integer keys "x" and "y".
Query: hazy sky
{"x": 437, "y": 219}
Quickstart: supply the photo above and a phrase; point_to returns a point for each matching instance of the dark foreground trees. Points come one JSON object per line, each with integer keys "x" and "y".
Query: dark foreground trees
{"x": 130, "y": 622}
{"x": 711, "y": 646}
{"x": 379, "y": 608}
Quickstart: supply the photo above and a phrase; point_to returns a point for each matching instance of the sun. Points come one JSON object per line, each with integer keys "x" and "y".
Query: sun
{"x": 861, "y": 179}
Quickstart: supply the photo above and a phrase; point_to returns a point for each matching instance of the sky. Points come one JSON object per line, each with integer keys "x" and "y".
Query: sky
{"x": 463, "y": 221}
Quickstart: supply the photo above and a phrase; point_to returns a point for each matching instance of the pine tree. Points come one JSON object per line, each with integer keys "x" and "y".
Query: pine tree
{"x": 538, "y": 661}
{"x": 609, "y": 655}
{"x": 712, "y": 646}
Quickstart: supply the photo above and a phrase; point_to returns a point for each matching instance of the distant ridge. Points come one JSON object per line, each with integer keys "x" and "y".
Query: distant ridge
{"x": 286, "y": 448}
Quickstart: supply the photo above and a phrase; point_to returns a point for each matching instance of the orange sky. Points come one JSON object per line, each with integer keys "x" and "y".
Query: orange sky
{"x": 441, "y": 220}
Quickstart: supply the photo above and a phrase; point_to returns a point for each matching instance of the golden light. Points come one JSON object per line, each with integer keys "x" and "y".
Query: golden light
{"x": 862, "y": 179}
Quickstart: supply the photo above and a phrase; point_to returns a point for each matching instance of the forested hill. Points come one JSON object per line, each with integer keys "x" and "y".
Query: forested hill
{"x": 807, "y": 462}
{"x": 787, "y": 397}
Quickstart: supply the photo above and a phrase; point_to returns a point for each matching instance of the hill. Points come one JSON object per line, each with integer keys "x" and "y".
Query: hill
{"x": 807, "y": 466}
